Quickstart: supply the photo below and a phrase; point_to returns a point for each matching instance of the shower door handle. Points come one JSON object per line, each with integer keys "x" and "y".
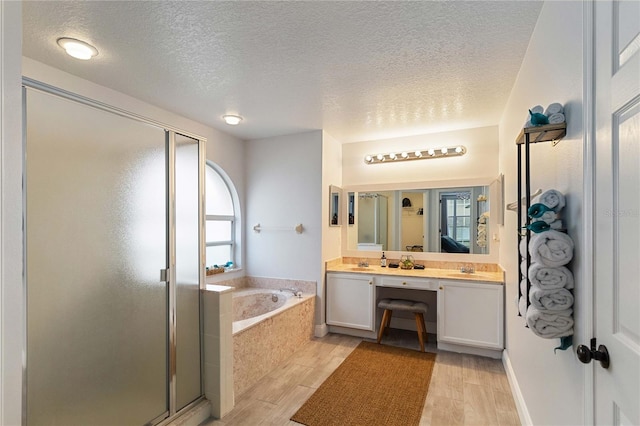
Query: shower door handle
{"x": 164, "y": 275}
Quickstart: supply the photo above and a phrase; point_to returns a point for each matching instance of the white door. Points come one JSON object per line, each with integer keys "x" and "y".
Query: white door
{"x": 617, "y": 211}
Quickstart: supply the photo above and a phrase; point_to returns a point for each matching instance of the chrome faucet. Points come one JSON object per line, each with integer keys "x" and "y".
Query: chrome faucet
{"x": 467, "y": 269}
{"x": 296, "y": 292}
{"x": 363, "y": 264}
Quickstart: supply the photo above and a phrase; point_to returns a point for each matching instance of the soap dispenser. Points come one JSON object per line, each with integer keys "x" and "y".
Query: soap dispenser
{"x": 383, "y": 261}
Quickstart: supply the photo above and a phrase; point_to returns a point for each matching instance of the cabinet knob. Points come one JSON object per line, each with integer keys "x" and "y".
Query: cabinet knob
{"x": 404, "y": 283}
{"x": 371, "y": 282}
{"x": 441, "y": 288}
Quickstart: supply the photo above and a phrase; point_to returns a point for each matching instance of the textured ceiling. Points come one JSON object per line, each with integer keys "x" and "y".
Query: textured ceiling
{"x": 358, "y": 70}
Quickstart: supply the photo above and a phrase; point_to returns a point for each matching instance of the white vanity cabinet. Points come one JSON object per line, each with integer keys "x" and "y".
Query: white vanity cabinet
{"x": 471, "y": 314}
{"x": 350, "y": 301}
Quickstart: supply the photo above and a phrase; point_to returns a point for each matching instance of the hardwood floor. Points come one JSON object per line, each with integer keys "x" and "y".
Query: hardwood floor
{"x": 464, "y": 389}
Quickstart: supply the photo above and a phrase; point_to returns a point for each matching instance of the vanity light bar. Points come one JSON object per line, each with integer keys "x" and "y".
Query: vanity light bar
{"x": 423, "y": 154}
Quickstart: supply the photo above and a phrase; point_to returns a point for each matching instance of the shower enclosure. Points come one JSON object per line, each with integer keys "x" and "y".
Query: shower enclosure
{"x": 372, "y": 221}
{"x": 114, "y": 260}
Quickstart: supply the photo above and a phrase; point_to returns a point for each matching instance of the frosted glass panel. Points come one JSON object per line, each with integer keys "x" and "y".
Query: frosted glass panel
{"x": 218, "y": 255}
{"x": 96, "y": 241}
{"x": 218, "y": 196}
{"x": 218, "y": 231}
{"x": 188, "y": 386}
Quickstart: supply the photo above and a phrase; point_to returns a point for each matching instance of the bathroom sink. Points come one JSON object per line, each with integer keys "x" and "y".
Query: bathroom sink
{"x": 359, "y": 268}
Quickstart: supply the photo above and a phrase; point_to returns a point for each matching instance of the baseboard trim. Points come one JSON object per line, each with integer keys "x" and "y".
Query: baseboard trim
{"x": 521, "y": 406}
{"x": 321, "y": 330}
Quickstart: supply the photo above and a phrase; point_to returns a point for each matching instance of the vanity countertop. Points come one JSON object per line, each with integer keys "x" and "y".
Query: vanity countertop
{"x": 452, "y": 274}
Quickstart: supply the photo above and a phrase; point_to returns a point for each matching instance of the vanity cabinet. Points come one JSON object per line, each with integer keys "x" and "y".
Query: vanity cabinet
{"x": 350, "y": 301}
{"x": 471, "y": 314}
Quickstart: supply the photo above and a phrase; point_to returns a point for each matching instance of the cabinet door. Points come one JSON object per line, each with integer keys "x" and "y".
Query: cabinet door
{"x": 350, "y": 301}
{"x": 471, "y": 314}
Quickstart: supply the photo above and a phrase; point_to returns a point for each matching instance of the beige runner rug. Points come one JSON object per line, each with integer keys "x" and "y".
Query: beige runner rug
{"x": 375, "y": 385}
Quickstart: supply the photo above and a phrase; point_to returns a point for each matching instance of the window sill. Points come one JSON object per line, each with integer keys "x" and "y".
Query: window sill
{"x": 224, "y": 276}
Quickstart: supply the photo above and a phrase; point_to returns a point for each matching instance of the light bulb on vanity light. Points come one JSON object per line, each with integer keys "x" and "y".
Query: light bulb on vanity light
{"x": 431, "y": 152}
{"x": 458, "y": 149}
{"x": 444, "y": 151}
{"x": 393, "y": 156}
{"x": 368, "y": 158}
{"x": 418, "y": 154}
{"x": 380, "y": 157}
{"x": 404, "y": 155}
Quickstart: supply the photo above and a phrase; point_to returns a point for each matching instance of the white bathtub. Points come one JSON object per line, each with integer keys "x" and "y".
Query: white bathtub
{"x": 253, "y": 305}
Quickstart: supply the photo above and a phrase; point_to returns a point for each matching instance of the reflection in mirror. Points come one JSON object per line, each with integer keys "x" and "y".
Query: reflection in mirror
{"x": 335, "y": 195}
{"x": 446, "y": 220}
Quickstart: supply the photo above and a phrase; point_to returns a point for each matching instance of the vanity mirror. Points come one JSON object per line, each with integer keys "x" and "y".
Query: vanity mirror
{"x": 421, "y": 217}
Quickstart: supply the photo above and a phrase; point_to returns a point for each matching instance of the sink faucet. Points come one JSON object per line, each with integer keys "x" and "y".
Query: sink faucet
{"x": 467, "y": 269}
{"x": 363, "y": 264}
{"x": 296, "y": 292}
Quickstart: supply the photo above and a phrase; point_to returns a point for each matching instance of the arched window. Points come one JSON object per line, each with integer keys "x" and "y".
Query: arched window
{"x": 222, "y": 213}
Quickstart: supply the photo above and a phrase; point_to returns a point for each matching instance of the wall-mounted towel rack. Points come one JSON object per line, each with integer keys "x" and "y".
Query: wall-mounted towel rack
{"x": 298, "y": 228}
{"x": 529, "y": 135}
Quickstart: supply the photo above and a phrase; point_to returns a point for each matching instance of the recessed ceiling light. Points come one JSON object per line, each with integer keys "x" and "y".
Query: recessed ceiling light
{"x": 77, "y": 48}
{"x": 232, "y": 120}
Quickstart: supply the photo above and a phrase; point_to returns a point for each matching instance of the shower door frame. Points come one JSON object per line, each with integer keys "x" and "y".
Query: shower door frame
{"x": 169, "y": 274}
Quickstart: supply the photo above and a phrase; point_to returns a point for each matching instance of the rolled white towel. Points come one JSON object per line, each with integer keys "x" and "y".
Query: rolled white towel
{"x": 553, "y": 199}
{"x": 523, "y": 248}
{"x": 557, "y": 299}
{"x": 522, "y": 306}
{"x": 548, "y": 278}
{"x": 535, "y": 109}
{"x": 554, "y": 108}
{"x": 549, "y": 217}
{"x": 538, "y": 109}
{"x": 523, "y": 268}
{"x": 551, "y": 248}
{"x": 523, "y": 286}
{"x": 550, "y": 324}
{"x": 557, "y": 118}
{"x": 556, "y": 224}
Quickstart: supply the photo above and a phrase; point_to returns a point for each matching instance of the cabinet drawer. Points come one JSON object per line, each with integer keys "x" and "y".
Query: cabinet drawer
{"x": 408, "y": 282}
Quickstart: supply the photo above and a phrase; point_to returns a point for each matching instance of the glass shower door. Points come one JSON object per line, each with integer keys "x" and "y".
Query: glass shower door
{"x": 188, "y": 219}
{"x": 96, "y": 240}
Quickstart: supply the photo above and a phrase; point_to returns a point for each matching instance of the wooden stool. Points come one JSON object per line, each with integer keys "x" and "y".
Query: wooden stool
{"x": 418, "y": 309}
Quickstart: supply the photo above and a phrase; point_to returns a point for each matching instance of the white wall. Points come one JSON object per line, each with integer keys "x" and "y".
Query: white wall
{"x": 481, "y": 159}
{"x": 551, "y": 384}
{"x": 331, "y": 235}
{"x": 11, "y": 289}
{"x": 284, "y": 183}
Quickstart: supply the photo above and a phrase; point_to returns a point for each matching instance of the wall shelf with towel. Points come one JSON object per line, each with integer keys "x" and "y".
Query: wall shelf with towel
{"x": 545, "y": 133}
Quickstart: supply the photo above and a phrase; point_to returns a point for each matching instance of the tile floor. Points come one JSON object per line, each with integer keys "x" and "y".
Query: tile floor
{"x": 464, "y": 389}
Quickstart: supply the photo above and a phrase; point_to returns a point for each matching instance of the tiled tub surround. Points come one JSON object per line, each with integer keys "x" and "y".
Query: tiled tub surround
{"x": 238, "y": 353}
{"x": 254, "y": 305}
{"x": 262, "y": 345}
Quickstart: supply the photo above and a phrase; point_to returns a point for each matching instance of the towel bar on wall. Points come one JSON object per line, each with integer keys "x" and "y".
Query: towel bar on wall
{"x": 298, "y": 228}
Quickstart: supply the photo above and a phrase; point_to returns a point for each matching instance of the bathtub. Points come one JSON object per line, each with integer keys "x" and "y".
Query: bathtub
{"x": 268, "y": 327}
{"x": 254, "y": 305}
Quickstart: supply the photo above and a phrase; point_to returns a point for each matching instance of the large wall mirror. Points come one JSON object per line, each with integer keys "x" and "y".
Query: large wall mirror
{"x": 420, "y": 218}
